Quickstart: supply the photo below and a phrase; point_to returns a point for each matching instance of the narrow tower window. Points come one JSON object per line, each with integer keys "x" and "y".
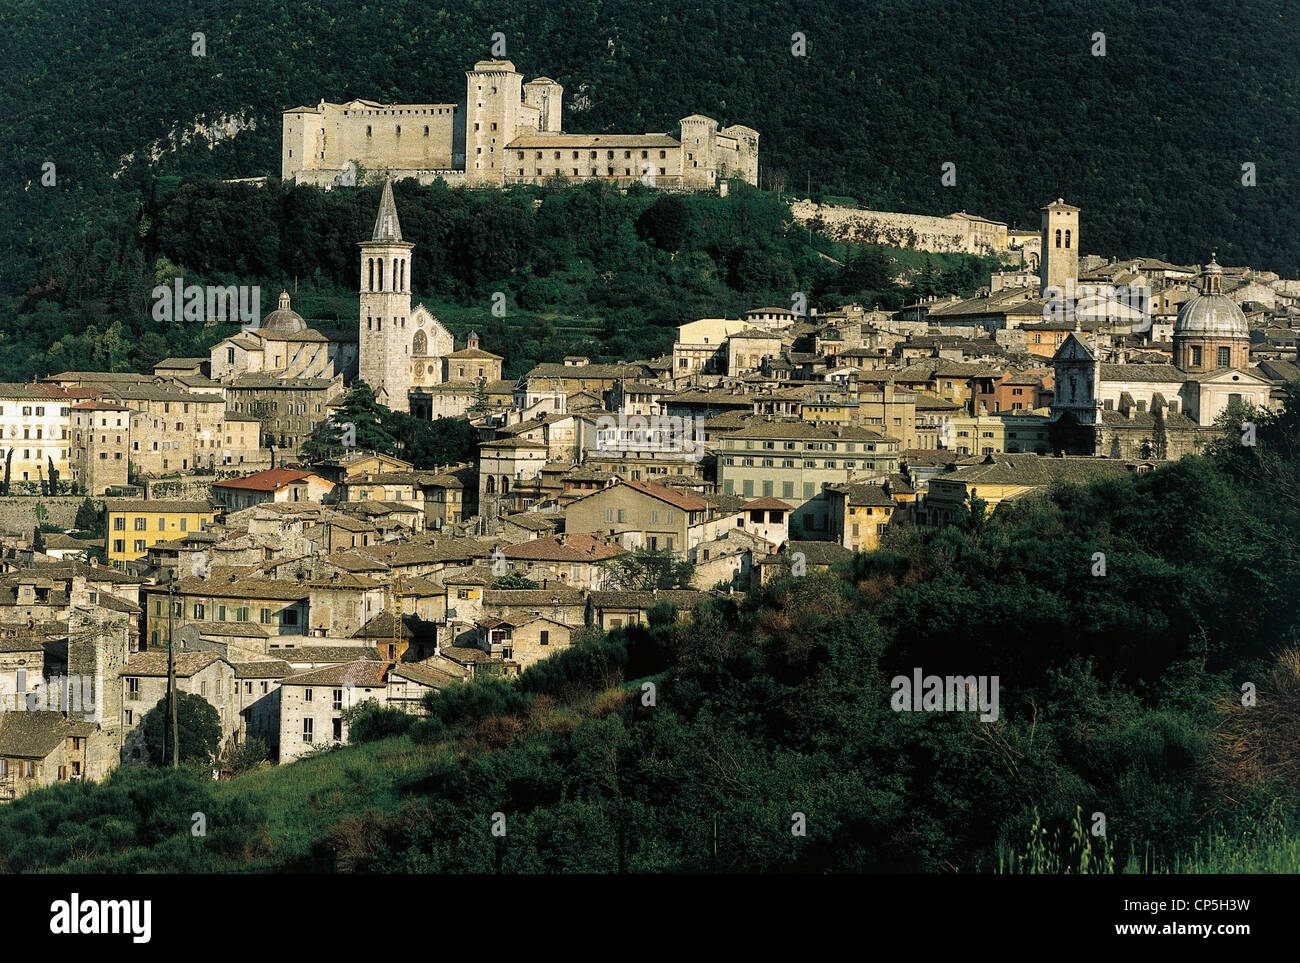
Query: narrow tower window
{"x": 1067, "y": 239}
{"x": 1058, "y": 238}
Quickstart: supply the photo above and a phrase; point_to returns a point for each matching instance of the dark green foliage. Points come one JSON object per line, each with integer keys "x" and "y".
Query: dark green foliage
{"x": 38, "y": 540}
{"x": 589, "y": 271}
{"x": 368, "y": 721}
{"x": 426, "y": 444}
{"x": 199, "y": 725}
{"x": 92, "y": 517}
{"x": 515, "y": 581}
{"x": 247, "y": 755}
{"x": 647, "y": 568}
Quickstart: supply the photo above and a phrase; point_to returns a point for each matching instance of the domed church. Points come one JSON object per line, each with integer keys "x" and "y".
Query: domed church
{"x": 1151, "y": 412}
{"x": 1211, "y": 330}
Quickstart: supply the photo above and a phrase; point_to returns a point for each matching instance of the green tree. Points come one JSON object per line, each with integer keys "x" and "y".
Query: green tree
{"x": 515, "y": 581}
{"x": 199, "y": 726}
{"x": 38, "y": 540}
{"x": 91, "y": 517}
{"x": 647, "y": 568}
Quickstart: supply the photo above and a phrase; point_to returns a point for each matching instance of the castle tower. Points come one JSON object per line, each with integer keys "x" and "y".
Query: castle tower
{"x": 1211, "y": 331}
{"x": 385, "y": 341}
{"x": 699, "y": 150}
{"x": 493, "y": 104}
{"x": 1059, "y": 261}
{"x": 547, "y": 97}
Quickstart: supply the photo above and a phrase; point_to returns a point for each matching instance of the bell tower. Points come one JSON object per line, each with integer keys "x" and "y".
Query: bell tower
{"x": 384, "y": 343}
{"x": 1059, "y": 261}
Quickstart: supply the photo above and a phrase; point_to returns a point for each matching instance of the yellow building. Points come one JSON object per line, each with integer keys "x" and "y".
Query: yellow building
{"x": 134, "y": 524}
{"x": 861, "y": 513}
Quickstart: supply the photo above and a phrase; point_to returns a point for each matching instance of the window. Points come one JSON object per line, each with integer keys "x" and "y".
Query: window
{"x": 306, "y": 695}
{"x": 139, "y": 545}
{"x": 1225, "y": 357}
{"x": 338, "y": 698}
{"x": 119, "y": 524}
{"x": 133, "y": 688}
{"x": 1196, "y": 355}
{"x": 545, "y": 637}
{"x": 141, "y": 524}
{"x": 307, "y": 726}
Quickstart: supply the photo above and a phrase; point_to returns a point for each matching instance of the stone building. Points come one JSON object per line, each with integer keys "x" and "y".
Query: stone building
{"x": 283, "y": 345}
{"x": 385, "y": 338}
{"x": 172, "y": 430}
{"x": 205, "y": 674}
{"x": 101, "y": 445}
{"x": 287, "y": 408}
{"x": 1059, "y": 266}
{"x": 312, "y": 703}
{"x": 506, "y": 131}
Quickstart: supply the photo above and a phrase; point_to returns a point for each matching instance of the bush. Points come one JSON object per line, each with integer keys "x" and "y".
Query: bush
{"x": 369, "y": 721}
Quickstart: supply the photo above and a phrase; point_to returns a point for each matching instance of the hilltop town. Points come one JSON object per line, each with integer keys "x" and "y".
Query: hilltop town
{"x": 290, "y": 584}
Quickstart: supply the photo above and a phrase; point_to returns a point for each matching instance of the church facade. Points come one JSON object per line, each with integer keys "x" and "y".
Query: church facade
{"x": 1156, "y": 411}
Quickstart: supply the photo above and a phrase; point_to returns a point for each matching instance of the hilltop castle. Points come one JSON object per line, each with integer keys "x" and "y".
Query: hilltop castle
{"x": 504, "y": 132}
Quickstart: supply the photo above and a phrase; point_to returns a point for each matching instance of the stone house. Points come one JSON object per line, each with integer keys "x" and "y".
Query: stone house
{"x": 312, "y": 704}
{"x": 205, "y": 674}
{"x": 41, "y": 747}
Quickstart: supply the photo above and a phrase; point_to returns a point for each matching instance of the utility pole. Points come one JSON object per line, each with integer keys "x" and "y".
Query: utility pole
{"x": 171, "y": 672}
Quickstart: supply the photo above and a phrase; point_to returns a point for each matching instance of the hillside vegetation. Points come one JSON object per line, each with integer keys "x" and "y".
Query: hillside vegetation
{"x": 1149, "y": 139}
{"x": 1120, "y": 695}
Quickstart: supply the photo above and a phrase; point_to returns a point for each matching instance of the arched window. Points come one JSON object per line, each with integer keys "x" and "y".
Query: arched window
{"x": 381, "y": 262}
{"x": 419, "y": 344}
{"x": 371, "y": 285}
{"x": 1067, "y": 238}
{"x": 1058, "y": 238}
{"x": 505, "y": 484}
{"x": 403, "y": 285}
{"x": 491, "y": 485}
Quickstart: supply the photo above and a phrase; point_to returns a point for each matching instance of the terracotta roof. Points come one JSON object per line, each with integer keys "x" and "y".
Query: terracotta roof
{"x": 685, "y": 501}
{"x": 326, "y": 653}
{"x": 273, "y": 479}
{"x": 35, "y": 734}
{"x": 645, "y": 599}
{"x": 270, "y": 669}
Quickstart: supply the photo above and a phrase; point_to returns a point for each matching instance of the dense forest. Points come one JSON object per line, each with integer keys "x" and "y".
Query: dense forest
{"x": 584, "y": 270}
{"x": 1161, "y": 694}
{"x": 1149, "y": 139}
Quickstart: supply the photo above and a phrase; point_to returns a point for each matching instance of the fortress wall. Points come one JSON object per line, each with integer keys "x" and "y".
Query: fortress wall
{"x": 917, "y": 231}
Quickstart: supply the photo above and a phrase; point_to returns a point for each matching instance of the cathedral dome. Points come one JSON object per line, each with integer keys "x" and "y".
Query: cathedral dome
{"x": 284, "y": 320}
{"x": 1211, "y": 314}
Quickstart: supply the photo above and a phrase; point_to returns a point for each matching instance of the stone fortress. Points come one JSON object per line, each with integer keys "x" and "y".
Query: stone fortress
{"x": 504, "y": 132}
